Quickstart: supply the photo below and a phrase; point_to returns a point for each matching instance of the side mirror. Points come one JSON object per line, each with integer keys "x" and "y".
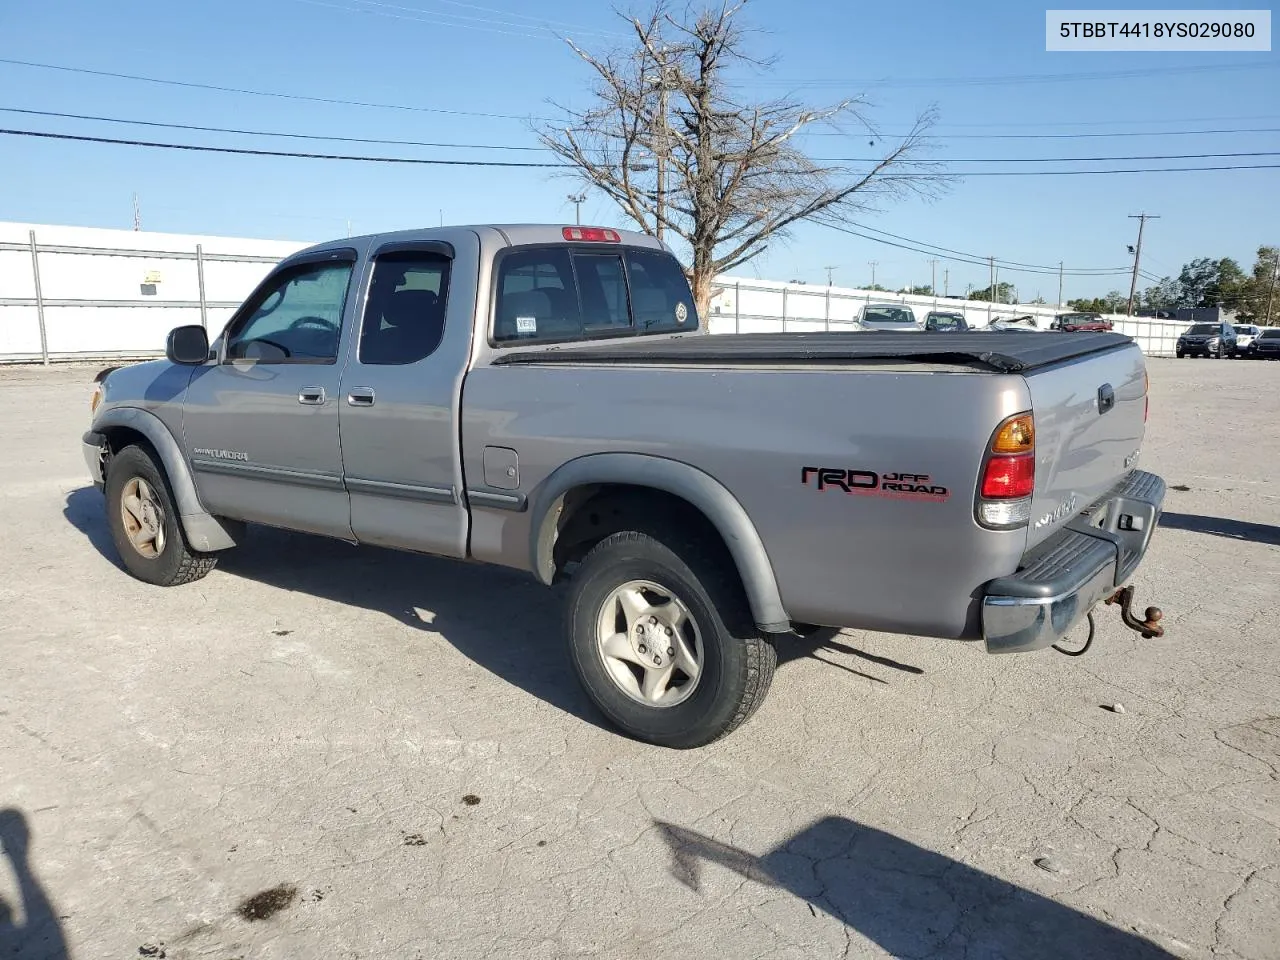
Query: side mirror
{"x": 187, "y": 345}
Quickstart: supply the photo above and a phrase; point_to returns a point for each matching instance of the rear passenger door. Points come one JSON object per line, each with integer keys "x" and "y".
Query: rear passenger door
{"x": 399, "y": 401}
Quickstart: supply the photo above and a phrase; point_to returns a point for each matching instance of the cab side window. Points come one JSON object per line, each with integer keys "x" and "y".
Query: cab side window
{"x": 297, "y": 319}
{"x": 404, "y": 315}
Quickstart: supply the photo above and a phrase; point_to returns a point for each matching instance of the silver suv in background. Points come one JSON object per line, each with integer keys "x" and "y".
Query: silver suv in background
{"x": 887, "y": 316}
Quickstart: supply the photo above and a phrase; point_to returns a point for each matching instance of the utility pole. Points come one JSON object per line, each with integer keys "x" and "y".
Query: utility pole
{"x": 830, "y": 271}
{"x": 1142, "y": 219}
{"x": 660, "y": 145}
{"x": 946, "y": 283}
{"x": 1059, "y": 284}
{"x": 991, "y": 290}
{"x": 137, "y": 214}
{"x": 1271, "y": 296}
{"x": 577, "y": 199}
{"x": 872, "y": 264}
{"x": 933, "y": 282}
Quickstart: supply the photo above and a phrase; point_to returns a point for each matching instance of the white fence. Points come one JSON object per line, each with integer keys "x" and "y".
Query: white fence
{"x": 70, "y": 293}
{"x": 760, "y": 306}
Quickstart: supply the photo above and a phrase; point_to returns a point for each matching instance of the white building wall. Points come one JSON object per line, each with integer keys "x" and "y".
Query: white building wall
{"x": 78, "y": 288}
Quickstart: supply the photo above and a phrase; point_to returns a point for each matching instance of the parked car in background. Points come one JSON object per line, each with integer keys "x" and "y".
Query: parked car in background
{"x": 944, "y": 321}
{"x": 1026, "y": 322}
{"x": 1246, "y": 334}
{"x": 887, "y": 316}
{"x": 1267, "y": 346}
{"x": 1078, "y": 322}
{"x": 1207, "y": 340}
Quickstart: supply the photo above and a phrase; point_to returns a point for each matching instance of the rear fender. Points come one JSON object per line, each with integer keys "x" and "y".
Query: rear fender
{"x": 699, "y": 489}
{"x": 205, "y": 532}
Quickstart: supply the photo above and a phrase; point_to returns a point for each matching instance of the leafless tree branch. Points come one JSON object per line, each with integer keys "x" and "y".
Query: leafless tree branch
{"x": 735, "y": 177}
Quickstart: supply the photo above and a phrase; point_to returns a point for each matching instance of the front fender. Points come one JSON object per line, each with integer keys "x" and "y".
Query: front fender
{"x": 679, "y": 479}
{"x": 204, "y": 531}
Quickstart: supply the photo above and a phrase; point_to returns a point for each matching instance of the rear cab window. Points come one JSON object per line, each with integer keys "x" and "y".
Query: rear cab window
{"x": 565, "y": 292}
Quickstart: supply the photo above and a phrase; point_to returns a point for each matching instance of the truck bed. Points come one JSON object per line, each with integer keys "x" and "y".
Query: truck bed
{"x": 1002, "y": 352}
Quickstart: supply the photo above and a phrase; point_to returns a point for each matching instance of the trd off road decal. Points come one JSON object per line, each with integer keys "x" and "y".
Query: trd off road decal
{"x": 914, "y": 486}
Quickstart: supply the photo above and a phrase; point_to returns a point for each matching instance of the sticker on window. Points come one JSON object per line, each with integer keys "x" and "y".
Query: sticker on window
{"x": 526, "y": 324}
{"x": 682, "y": 313}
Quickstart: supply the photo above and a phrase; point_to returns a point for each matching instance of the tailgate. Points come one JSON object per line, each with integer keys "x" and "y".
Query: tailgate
{"x": 1083, "y": 444}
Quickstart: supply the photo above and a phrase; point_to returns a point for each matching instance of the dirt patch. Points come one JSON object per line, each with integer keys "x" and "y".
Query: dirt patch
{"x": 267, "y": 903}
{"x": 471, "y": 800}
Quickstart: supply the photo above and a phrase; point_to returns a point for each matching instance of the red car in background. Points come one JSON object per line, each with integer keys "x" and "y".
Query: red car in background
{"x": 1081, "y": 322}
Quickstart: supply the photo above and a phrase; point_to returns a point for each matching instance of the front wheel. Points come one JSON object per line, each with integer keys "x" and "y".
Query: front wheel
{"x": 144, "y": 522}
{"x": 662, "y": 639}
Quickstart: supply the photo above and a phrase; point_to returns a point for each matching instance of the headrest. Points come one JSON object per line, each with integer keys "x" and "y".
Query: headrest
{"x": 405, "y": 306}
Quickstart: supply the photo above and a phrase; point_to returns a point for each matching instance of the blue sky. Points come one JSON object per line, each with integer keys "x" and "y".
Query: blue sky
{"x": 488, "y": 56}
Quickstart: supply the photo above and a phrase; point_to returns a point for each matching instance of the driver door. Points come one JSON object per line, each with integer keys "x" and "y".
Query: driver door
{"x": 260, "y": 422}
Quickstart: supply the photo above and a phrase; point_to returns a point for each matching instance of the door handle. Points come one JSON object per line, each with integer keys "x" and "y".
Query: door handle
{"x": 360, "y": 396}
{"x": 313, "y": 396}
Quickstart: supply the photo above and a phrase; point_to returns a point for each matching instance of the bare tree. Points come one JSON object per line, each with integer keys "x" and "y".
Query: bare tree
{"x": 668, "y": 140}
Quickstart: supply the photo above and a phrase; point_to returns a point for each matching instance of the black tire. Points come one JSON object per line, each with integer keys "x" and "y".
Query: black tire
{"x": 1219, "y": 353}
{"x": 175, "y": 562}
{"x": 1180, "y": 354}
{"x": 738, "y": 661}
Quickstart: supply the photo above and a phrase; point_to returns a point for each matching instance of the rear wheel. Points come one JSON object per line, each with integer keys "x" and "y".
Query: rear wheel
{"x": 662, "y": 639}
{"x": 144, "y": 522}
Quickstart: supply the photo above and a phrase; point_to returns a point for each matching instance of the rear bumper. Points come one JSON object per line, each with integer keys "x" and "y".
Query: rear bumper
{"x": 92, "y": 445}
{"x": 1062, "y": 579}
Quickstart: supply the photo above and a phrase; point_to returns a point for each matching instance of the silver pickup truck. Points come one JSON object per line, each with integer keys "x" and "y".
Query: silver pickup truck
{"x": 540, "y": 397}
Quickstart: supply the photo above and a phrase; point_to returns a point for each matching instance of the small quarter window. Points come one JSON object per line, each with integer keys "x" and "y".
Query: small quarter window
{"x": 405, "y": 313}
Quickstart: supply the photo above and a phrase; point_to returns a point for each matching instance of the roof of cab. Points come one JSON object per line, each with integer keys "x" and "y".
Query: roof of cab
{"x": 514, "y": 234}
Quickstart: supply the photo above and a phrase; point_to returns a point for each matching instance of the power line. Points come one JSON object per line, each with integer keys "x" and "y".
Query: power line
{"x": 268, "y": 133}
{"x": 497, "y": 146}
{"x": 495, "y": 163}
{"x": 1055, "y": 136}
{"x": 1078, "y": 271}
{"x": 984, "y": 262}
{"x": 1018, "y": 79}
{"x": 1166, "y": 156}
{"x": 276, "y": 153}
{"x": 486, "y": 24}
{"x": 267, "y": 93}
{"x": 1074, "y": 173}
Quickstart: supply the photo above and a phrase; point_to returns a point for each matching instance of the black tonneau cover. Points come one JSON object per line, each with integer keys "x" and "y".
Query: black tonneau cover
{"x": 1004, "y": 351}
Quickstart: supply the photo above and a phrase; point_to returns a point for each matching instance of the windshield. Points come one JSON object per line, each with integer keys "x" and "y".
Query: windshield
{"x": 1269, "y": 335}
{"x": 888, "y": 315}
{"x": 1203, "y": 328}
{"x": 1247, "y": 331}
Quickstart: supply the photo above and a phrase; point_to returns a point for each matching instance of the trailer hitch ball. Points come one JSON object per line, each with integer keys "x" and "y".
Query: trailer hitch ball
{"x": 1149, "y": 627}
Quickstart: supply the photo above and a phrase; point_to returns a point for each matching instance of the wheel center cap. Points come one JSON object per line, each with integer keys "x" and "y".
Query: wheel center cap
{"x": 652, "y": 645}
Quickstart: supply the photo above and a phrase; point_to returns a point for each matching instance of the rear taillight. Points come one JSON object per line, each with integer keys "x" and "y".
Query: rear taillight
{"x": 1009, "y": 478}
{"x": 1008, "y": 475}
{"x": 591, "y": 235}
